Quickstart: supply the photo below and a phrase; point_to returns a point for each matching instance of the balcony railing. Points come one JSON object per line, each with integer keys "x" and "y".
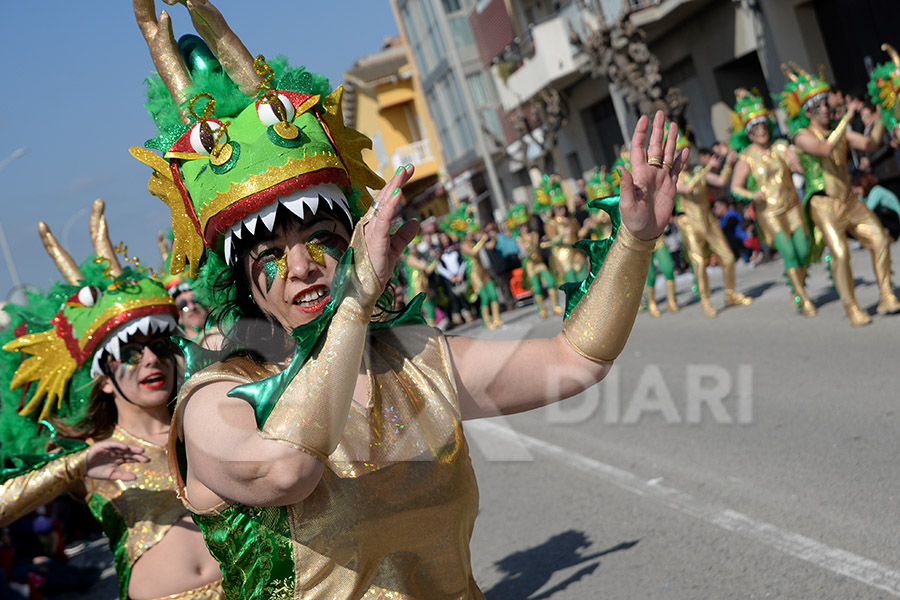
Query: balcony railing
{"x": 415, "y": 153}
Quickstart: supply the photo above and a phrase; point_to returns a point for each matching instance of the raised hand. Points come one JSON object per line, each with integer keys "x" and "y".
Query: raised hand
{"x": 384, "y": 248}
{"x": 105, "y": 458}
{"x": 647, "y": 193}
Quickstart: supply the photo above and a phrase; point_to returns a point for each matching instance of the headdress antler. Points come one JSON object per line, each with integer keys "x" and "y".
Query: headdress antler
{"x": 103, "y": 248}
{"x": 788, "y": 73}
{"x": 63, "y": 260}
{"x": 164, "y": 52}
{"x": 892, "y": 53}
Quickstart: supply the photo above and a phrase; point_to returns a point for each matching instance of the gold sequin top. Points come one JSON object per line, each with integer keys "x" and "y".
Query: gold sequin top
{"x": 772, "y": 172}
{"x": 146, "y": 508}
{"x": 393, "y": 514}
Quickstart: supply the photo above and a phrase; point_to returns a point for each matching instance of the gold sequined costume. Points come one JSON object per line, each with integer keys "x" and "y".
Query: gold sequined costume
{"x": 836, "y": 211}
{"x": 135, "y": 515}
{"x": 393, "y": 513}
{"x": 567, "y": 263}
{"x": 700, "y": 231}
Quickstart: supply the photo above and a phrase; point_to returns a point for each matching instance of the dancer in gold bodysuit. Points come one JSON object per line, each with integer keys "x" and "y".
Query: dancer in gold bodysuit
{"x": 700, "y": 231}
{"x": 763, "y": 175}
{"x": 832, "y": 206}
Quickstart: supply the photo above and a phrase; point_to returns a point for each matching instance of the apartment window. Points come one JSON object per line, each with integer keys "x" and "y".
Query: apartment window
{"x": 477, "y": 89}
{"x": 459, "y": 29}
{"x": 451, "y": 5}
{"x": 380, "y": 152}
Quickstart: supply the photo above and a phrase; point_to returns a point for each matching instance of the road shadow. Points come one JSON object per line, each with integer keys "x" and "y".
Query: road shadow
{"x": 831, "y": 295}
{"x": 527, "y": 571}
{"x": 758, "y": 290}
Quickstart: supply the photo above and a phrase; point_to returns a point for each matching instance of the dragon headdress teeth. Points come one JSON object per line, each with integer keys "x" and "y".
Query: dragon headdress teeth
{"x": 103, "y": 308}
{"x": 243, "y": 142}
{"x": 301, "y": 203}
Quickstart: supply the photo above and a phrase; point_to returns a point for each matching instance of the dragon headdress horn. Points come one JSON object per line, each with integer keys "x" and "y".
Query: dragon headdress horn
{"x": 892, "y": 52}
{"x": 103, "y": 248}
{"x": 67, "y": 266}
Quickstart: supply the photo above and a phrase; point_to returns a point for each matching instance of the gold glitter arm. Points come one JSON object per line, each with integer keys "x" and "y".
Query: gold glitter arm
{"x": 725, "y": 173}
{"x": 22, "y": 494}
{"x": 877, "y": 134}
{"x": 599, "y": 325}
{"x": 835, "y": 136}
{"x": 311, "y": 413}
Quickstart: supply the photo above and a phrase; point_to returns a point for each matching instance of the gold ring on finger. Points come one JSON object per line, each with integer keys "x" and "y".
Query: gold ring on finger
{"x": 655, "y": 161}
{"x": 667, "y": 164}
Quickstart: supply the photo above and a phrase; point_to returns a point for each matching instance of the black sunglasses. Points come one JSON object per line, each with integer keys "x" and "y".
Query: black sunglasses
{"x": 132, "y": 352}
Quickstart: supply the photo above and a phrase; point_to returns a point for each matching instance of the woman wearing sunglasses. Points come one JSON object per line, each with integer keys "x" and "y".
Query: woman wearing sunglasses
{"x": 99, "y": 386}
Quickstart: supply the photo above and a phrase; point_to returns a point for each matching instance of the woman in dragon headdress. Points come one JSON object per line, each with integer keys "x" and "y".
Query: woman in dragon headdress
{"x": 323, "y": 450}
{"x": 105, "y": 377}
{"x": 833, "y": 207}
{"x": 700, "y": 230}
{"x": 561, "y": 228}
{"x": 762, "y": 175}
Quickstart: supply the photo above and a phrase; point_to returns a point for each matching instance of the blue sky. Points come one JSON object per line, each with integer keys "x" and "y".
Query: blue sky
{"x": 73, "y": 95}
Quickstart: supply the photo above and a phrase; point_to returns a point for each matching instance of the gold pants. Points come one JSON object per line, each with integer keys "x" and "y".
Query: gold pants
{"x": 697, "y": 236}
{"x": 788, "y": 222}
{"x": 210, "y": 591}
{"x": 835, "y": 217}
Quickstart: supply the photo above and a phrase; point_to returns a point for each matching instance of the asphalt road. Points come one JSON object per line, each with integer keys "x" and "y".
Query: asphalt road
{"x": 749, "y": 456}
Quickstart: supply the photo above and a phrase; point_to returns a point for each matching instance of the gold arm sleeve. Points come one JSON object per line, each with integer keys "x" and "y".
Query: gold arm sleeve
{"x": 725, "y": 173}
{"x": 21, "y": 495}
{"x": 877, "y": 133}
{"x": 841, "y": 129}
{"x": 599, "y": 325}
{"x": 311, "y": 413}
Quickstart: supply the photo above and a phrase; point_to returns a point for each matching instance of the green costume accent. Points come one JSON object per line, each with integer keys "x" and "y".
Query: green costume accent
{"x": 253, "y": 544}
{"x": 596, "y": 251}
{"x": 662, "y": 258}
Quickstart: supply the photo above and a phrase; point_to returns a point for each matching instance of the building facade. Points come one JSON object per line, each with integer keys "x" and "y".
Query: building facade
{"x": 706, "y": 48}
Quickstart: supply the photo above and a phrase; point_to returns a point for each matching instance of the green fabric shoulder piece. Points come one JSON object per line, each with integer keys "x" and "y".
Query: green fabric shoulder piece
{"x": 813, "y": 173}
{"x": 196, "y": 357}
{"x": 596, "y": 251}
{"x": 116, "y": 530}
{"x": 253, "y": 547}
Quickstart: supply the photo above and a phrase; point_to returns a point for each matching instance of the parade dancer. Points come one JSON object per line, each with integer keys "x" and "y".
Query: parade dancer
{"x": 567, "y": 263}
{"x": 535, "y": 271}
{"x": 762, "y": 175}
{"x": 105, "y": 376}
{"x": 834, "y": 209}
{"x": 419, "y": 268}
{"x": 461, "y": 224}
{"x": 701, "y": 232}
{"x": 324, "y": 452}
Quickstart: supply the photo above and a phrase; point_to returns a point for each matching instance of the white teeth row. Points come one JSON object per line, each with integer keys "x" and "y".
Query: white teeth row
{"x": 147, "y": 325}
{"x": 311, "y": 296}
{"x": 301, "y": 202}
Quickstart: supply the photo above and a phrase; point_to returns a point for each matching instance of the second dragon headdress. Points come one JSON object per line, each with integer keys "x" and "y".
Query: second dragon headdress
{"x": 58, "y": 341}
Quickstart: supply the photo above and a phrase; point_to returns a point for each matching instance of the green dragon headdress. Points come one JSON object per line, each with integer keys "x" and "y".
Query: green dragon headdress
{"x": 554, "y": 189}
{"x": 517, "y": 215}
{"x": 884, "y": 85}
{"x": 749, "y": 110}
{"x": 100, "y": 305}
{"x": 459, "y": 221}
{"x": 542, "y": 195}
{"x": 249, "y": 136}
{"x": 801, "y": 92}
{"x": 599, "y": 185}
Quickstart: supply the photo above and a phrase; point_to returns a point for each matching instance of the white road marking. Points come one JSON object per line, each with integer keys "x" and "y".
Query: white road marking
{"x": 799, "y": 546}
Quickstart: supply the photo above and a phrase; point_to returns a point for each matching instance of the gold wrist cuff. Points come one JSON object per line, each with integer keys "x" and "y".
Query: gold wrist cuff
{"x": 600, "y": 324}
{"x": 725, "y": 173}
